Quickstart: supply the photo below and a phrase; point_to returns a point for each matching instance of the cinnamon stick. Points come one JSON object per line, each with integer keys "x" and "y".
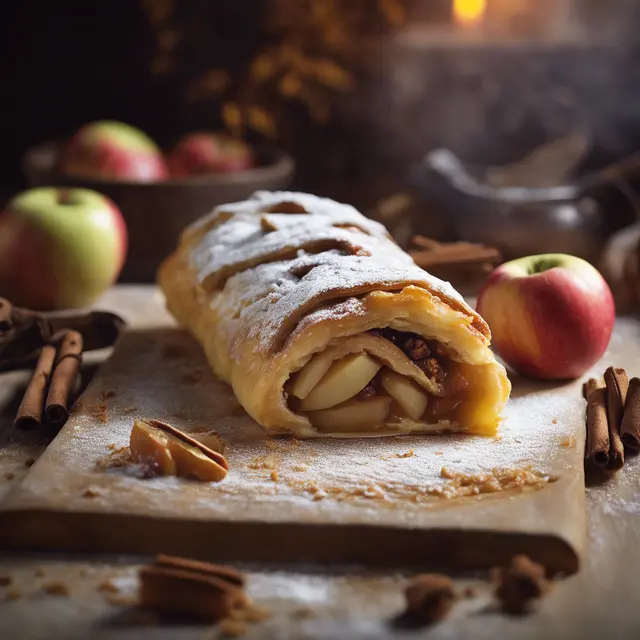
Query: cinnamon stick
{"x": 65, "y": 372}
{"x": 455, "y": 254}
{"x": 425, "y": 243}
{"x": 597, "y": 449}
{"x": 29, "y": 414}
{"x": 630, "y": 427}
{"x": 617, "y": 383}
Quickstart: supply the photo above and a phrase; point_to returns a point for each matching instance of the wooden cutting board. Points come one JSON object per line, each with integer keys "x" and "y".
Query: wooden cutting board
{"x": 370, "y": 501}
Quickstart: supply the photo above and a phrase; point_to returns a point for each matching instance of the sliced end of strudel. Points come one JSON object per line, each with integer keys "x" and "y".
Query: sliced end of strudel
{"x": 323, "y": 326}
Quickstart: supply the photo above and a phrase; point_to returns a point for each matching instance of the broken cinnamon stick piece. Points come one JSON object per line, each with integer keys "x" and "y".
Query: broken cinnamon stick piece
{"x": 231, "y": 575}
{"x": 182, "y": 586}
{"x": 630, "y": 427}
{"x": 617, "y": 383}
{"x": 425, "y": 243}
{"x": 29, "y": 415}
{"x": 588, "y": 387}
{"x": 65, "y": 372}
{"x": 597, "y": 449}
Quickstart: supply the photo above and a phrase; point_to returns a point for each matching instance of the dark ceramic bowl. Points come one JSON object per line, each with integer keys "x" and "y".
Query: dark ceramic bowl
{"x": 157, "y": 212}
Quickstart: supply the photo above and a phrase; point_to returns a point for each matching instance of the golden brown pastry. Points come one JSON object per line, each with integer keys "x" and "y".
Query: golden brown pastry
{"x": 323, "y": 326}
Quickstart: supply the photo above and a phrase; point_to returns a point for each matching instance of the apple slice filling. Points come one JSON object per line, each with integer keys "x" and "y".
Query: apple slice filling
{"x": 361, "y": 392}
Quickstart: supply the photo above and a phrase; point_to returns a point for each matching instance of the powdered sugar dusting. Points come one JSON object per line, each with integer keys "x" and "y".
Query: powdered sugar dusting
{"x": 270, "y": 297}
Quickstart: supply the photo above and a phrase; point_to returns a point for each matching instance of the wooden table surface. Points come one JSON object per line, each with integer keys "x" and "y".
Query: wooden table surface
{"x": 602, "y": 600}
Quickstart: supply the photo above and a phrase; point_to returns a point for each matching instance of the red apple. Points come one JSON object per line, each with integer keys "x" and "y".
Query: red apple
{"x": 114, "y": 151}
{"x": 60, "y": 248}
{"x": 204, "y": 152}
{"x": 551, "y": 316}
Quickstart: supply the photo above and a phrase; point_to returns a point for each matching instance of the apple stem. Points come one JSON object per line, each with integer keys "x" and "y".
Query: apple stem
{"x": 64, "y": 197}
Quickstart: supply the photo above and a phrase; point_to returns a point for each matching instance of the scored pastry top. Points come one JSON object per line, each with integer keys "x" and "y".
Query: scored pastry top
{"x": 289, "y": 254}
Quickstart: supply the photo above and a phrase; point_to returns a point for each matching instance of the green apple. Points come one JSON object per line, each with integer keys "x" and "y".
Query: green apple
{"x": 60, "y": 248}
{"x": 113, "y": 150}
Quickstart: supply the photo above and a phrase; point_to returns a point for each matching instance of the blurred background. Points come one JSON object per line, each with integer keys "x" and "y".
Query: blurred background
{"x": 511, "y": 123}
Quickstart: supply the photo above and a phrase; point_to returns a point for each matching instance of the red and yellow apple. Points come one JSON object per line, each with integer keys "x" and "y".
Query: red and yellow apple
{"x": 551, "y": 316}
{"x": 204, "y": 152}
{"x": 110, "y": 150}
{"x": 60, "y": 248}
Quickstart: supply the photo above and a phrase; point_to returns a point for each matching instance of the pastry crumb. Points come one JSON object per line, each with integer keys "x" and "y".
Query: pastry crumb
{"x": 445, "y": 472}
{"x": 430, "y": 597}
{"x": 5, "y": 581}
{"x": 232, "y": 628}
{"x": 57, "y": 589}
{"x": 107, "y": 586}
{"x": 439, "y": 453}
{"x": 568, "y": 442}
{"x": 90, "y": 493}
{"x": 300, "y": 467}
{"x": 254, "y": 613}
{"x": 274, "y": 476}
{"x": 320, "y": 494}
{"x": 554, "y": 421}
{"x": 519, "y": 583}
{"x": 373, "y": 491}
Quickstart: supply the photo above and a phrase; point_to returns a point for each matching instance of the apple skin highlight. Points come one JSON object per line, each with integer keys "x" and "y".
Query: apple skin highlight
{"x": 552, "y": 324}
{"x": 60, "y": 248}
{"x": 113, "y": 150}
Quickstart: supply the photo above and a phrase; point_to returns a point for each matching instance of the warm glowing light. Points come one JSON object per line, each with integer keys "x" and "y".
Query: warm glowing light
{"x": 469, "y": 12}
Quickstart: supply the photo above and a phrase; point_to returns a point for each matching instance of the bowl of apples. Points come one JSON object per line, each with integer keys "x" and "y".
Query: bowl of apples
{"x": 159, "y": 192}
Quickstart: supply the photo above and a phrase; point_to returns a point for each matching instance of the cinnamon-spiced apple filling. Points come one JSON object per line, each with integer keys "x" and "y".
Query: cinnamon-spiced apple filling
{"x": 378, "y": 377}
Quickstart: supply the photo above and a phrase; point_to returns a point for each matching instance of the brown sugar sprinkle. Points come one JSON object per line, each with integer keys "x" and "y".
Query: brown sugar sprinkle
{"x": 107, "y": 586}
{"x": 57, "y": 589}
{"x": 5, "y": 581}
{"x": 269, "y": 461}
